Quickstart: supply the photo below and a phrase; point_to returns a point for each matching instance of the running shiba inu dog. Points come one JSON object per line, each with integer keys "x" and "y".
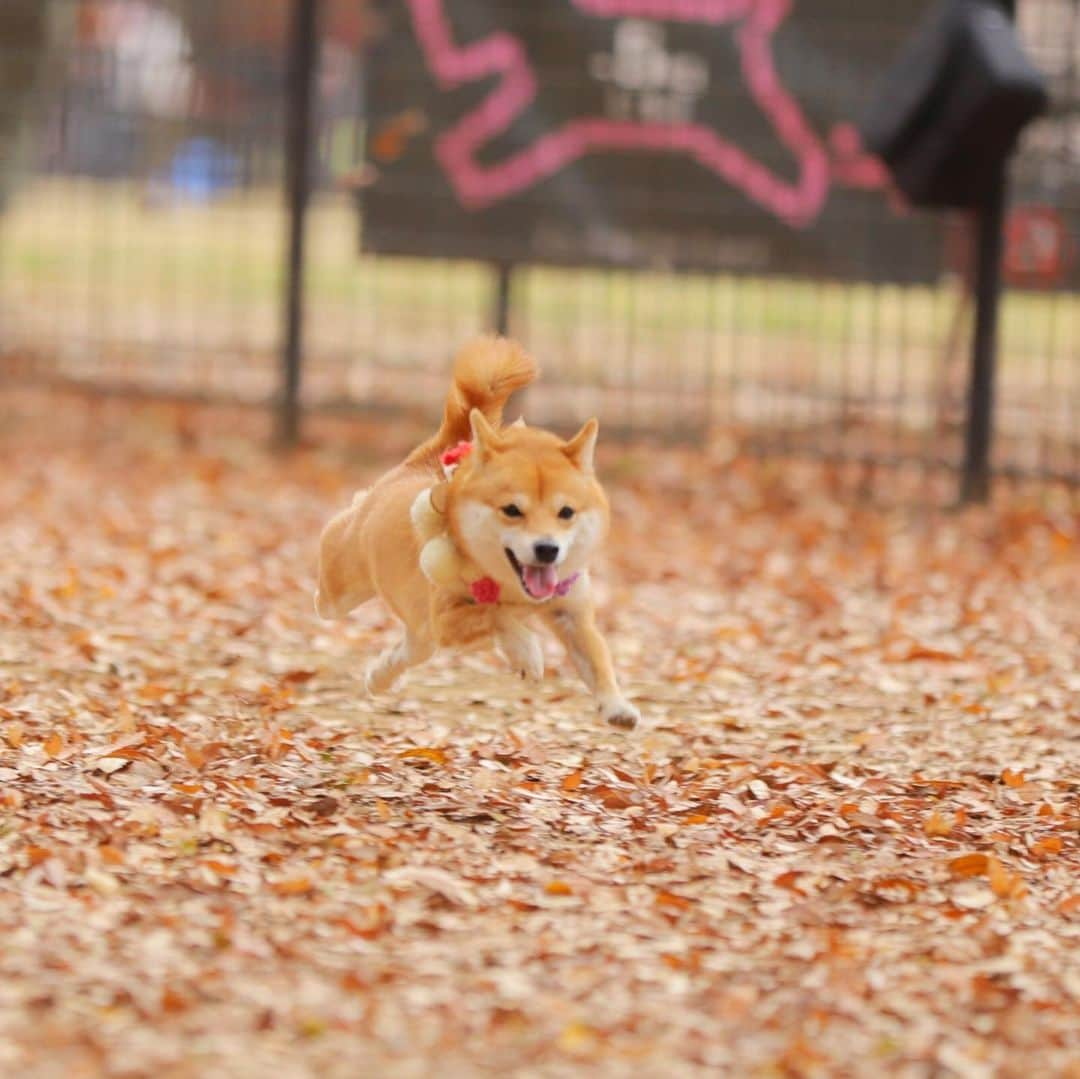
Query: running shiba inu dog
{"x": 524, "y": 512}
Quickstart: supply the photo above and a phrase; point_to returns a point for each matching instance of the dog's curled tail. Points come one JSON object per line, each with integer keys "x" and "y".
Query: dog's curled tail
{"x": 486, "y": 372}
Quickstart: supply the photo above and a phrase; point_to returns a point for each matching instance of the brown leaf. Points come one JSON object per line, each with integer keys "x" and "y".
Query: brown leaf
{"x": 325, "y": 806}
{"x": 298, "y": 677}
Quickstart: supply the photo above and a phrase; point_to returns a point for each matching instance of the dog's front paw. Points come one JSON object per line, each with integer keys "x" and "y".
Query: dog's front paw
{"x": 380, "y": 676}
{"x": 523, "y": 653}
{"x": 620, "y": 713}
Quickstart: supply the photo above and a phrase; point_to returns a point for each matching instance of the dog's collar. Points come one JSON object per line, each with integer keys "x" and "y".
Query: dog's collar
{"x": 487, "y": 590}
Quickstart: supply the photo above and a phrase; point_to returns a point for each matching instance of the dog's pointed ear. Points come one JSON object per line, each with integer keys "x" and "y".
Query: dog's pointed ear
{"x": 484, "y": 437}
{"x": 582, "y": 447}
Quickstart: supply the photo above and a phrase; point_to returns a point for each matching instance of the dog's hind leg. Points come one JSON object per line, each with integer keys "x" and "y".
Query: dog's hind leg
{"x": 392, "y": 663}
{"x": 344, "y": 577}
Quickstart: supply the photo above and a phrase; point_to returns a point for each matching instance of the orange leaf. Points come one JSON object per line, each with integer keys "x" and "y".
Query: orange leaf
{"x": 894, "y": 884}
{"x": 1005, "y": 885}
{"x": 787, "y": 880}
{"x": 573, "y": 781}
{"x": 37, "y": 855}
{"x": 194, "y": 755}
{"x": 936, "y": 824}
{"x": 54, "y": 744}
{"x": 676, "y": 902}
{"x": 1070, "y": 904}
{"x": 436, "y": 756}
{"x": 376, "y": 923}
{"x": 922, "y": 651}
{"x": 696, "y": 818}
{"x": 969, "y": 865}
{"x": 293, "y": 886}
{"x": 558, "y": 887}
{"x": 173, "y": 1002}
{"x": 1012, "y": 779}
{"x": 111, "y": 855}
{"x": 1051, "y": 845}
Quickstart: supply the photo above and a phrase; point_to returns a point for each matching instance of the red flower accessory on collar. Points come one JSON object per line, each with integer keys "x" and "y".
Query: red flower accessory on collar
{"x": 485, "y": 590}
{"x": 453, "y": 457}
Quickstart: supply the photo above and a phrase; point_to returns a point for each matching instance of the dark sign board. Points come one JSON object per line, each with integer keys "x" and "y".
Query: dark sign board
{"x": 690, "y": 134}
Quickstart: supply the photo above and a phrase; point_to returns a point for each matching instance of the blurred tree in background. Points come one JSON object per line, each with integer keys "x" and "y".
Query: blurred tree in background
{"x": 180, "y": 64}
{"x": 32, "y": 34}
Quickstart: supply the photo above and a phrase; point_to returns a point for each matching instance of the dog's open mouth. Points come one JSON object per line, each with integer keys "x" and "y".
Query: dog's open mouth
{"x": 538, "y": 581}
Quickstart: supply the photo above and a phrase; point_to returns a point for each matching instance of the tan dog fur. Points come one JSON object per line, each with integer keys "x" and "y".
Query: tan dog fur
{"x": 371, "y": 549}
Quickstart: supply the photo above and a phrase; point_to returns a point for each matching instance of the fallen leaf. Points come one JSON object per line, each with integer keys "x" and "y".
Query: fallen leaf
{"x": 937, "y": 825}
{"x": 293, "y": 886}
{"x": 969, "y": 865}
{"x": 434, "y": 755}
{"x": 1048, "y": 847}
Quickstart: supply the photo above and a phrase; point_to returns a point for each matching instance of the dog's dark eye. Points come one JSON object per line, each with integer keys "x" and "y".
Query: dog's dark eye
{"x": 566, "y": 513}
{"x": 512, "y": 511}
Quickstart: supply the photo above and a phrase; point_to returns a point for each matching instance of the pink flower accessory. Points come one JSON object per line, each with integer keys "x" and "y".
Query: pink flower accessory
{"x": 485, "y": 590}
{"x": 453, "y": 457}
{"x": 563, "y": 587}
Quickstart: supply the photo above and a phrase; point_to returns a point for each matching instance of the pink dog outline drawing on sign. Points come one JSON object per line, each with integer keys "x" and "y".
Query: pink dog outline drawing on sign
{"x": 479, "y": 185}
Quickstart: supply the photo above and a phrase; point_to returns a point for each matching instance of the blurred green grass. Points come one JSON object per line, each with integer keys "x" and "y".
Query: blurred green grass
{"x": 107, "y": 246}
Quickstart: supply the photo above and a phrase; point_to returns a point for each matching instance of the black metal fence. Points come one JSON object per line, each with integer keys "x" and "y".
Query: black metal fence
{"x": 146, "y": 242}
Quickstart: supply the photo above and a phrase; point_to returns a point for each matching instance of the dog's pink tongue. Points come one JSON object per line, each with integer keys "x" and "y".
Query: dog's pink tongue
{"x": 540, "y": 581}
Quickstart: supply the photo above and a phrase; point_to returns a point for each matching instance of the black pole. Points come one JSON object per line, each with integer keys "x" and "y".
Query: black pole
{"x": 299, "y": 133}
{"x": 504, "y": 275}
{"x": 979, "y": 431}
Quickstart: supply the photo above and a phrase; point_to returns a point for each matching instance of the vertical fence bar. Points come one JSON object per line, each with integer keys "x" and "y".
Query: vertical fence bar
{"x": 504, "y": 281}
{"x": 979, "y": 429}
{"x": 299, "y": 138}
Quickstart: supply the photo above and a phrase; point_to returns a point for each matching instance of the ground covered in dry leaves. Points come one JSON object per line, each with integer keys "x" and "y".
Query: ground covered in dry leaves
{"x": 846, "y": 840}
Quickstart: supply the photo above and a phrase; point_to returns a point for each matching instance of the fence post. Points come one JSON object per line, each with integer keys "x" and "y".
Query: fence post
{"x": 299, "y": 138}
{"x": 979, "y": 429}
{"x": 500, "y": 315}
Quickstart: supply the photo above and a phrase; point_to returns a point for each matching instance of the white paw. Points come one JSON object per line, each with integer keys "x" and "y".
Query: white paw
{"x": 380, "y": 676}
{"x": 620, "y": 713}
{"x": 524, "y": 654}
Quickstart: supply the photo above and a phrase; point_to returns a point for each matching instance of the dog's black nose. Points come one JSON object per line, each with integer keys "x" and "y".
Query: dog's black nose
{"x": 546, "y": 552}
